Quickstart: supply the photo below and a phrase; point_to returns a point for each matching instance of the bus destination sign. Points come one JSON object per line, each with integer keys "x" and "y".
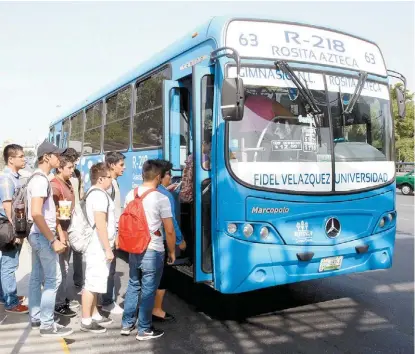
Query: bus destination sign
{"x": 290, "y": 42}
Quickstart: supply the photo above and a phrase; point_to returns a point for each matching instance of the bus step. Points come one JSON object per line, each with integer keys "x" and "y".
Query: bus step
{"x": 182, "y": 261}
{"x": 185, "y": 269}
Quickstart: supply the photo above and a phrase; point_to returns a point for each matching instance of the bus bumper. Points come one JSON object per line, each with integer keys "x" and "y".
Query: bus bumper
{"x": 247, "y": 266}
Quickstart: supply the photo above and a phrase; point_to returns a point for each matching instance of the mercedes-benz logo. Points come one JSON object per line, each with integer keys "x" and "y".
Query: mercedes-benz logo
{"x": 333, "y": 227}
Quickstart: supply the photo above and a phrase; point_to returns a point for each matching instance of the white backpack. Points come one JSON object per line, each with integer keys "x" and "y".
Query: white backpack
{"x": 80, "y": 231}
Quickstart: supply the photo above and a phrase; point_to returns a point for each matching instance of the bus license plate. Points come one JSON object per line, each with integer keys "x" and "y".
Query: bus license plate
{"x": 331, "y": 263}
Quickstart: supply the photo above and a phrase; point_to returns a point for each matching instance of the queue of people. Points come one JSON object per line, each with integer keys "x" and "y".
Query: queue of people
{"x": 41, "y": 210}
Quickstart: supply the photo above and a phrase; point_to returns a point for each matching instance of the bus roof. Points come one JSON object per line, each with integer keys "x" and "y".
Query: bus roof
{"x": 211, "y": 29}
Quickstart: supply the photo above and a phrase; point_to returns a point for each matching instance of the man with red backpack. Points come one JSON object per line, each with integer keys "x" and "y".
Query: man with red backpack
{"x": 146, "y": 211}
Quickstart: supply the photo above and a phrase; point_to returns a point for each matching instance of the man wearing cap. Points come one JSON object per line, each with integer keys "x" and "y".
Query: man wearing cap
{"x": 45, "y": 247}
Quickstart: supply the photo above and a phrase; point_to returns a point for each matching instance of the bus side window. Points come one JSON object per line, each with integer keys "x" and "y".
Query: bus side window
{"x": 65, "y": 133}
{"x": 75, "y": 136}
{"x": 117, "y": 121}
{"x": 58, "y": 139}
{"x": 207, "y": 116}
{"x": 92, "y": 135}
{"x": 52, "y": 135}
{"x": 184, "y": 125}
{"x": 148, "y": 115}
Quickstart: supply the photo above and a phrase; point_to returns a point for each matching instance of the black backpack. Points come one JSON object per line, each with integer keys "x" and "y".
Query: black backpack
{"x": 20, "y": 211}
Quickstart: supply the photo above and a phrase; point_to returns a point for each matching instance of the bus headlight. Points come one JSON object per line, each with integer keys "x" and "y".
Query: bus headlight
{"x": 232, "y": 228}
{"x": 248, "y": 230}
{"x": 390, "y": 217}
{"x": 264, "y": 232}
{"x": 382, "y": 222}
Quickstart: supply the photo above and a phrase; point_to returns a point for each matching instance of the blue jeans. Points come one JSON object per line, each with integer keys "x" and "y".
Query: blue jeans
{"x": 145, "y": 273}
{"x": 45, "y": 267}
{"x": 109, "y": 297}
{"x": 9, "y": 262}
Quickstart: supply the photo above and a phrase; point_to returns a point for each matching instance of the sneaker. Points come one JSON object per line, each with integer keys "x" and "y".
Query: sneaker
{"x": 149, "y": 334}
{"x": 93, "y": 328}
{"x": 36, "y": 324}
{"x": 72, "y": 304}
{"x": 113, "y": 309}
{"x": 104, "y": 321}
{"x": 125, "y": 331}
{"x": 56, "y": 330}
{"x": 18, "y": 309}
{"x": 64, "y": 310}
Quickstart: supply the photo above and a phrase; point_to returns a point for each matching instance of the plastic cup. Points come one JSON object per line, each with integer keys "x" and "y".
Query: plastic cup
{"x": 19, "y": 211}
{"x": 65, "y": 209}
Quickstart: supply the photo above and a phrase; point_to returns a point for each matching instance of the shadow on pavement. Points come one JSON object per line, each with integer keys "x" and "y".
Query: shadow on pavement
{"x": 361, "y": 313}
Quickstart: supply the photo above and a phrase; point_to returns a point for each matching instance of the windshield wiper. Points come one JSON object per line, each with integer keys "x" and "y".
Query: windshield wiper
{"x": 357, "y": 92}
{"x": 304, "y": 91}
{"x": 346, "y": 112}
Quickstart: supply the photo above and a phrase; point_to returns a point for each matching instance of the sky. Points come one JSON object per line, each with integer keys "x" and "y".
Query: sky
{"x": 54, "y": 55}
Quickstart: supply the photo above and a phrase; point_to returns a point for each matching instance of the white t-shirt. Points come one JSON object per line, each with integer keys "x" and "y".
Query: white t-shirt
{"x": 38, "y": 187}
{"x": 98, "y": 200}
{"x": 156, "y": 207}
{"x": 114, "y": 189}
{"x": 75, "y": 184}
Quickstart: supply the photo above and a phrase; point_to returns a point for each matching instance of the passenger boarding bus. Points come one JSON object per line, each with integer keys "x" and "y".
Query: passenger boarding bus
{"x": 295, "y": 122}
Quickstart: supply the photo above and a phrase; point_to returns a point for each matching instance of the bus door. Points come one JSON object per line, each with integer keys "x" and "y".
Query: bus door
{"x": 171, "y": 124}
{"x": 177, "y": 139}
{"x": 176, "y": 147}
{"x": 202, "y": 92}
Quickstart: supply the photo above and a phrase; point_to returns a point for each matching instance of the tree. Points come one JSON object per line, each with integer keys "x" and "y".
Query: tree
{"x": 404, "y": 128}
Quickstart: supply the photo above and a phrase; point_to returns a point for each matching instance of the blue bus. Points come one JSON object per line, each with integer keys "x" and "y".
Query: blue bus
{"x": 296, "y": 123}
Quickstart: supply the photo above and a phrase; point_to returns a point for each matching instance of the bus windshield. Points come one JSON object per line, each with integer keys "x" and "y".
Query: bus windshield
{"x": 366, "y": 133}
{"x": 278, "y": 127}
{"x": 280, "y": 143}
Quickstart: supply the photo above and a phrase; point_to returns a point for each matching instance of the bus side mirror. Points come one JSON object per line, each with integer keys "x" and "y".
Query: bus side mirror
{"x": 232, "y": 99}
{"x": 400, "y": 98}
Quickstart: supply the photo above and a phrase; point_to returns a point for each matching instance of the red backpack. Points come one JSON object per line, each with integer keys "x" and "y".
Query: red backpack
{"x": 133, "y": 233}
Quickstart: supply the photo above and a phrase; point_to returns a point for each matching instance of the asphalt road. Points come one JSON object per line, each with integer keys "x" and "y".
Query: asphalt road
{"x": 405, "y": 208}
{"x": 361, "y": 313}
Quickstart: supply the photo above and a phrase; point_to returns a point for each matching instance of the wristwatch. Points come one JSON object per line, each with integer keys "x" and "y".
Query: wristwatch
{"x": 52, "y": 241}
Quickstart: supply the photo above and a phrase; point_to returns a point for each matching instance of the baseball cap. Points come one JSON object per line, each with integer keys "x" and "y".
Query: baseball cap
{"x": 48, "y": 148}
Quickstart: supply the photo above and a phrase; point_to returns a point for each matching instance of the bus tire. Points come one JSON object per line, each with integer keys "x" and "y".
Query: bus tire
{"x": 406, "y": 189}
